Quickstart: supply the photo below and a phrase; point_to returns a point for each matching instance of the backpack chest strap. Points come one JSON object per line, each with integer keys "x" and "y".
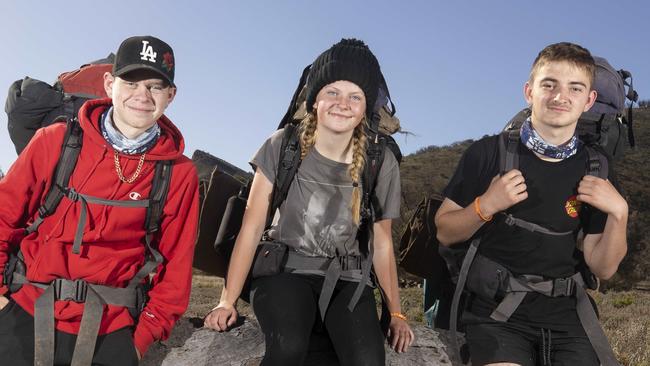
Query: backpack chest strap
{"x": 85, "y": 200}
{"x": 532, "y": 227}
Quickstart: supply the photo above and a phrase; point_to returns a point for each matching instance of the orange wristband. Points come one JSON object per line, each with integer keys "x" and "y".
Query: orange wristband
{"x": 398, "y": 315}
{"x": 477, "y": 209}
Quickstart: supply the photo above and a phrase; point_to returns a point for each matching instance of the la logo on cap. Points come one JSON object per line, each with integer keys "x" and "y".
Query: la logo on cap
{"x": 147, "y": 53}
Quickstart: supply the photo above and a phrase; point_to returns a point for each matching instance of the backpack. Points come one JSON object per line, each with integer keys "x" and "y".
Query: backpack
{"x": 418, "y": 248}
{"x": 134, "y": 296}
{"x": 606, "y": 124}
{"x": 32, "y": 104}
{"x": 221, "y": 184}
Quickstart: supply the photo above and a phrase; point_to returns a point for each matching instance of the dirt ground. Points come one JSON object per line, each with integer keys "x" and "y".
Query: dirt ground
{"x": 625, "y": 315}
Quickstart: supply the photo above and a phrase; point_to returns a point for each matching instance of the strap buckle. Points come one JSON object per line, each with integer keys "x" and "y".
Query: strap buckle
{"x": 350, "y": 262}
{"x": 70, "y": 290}
{"x": 563, "y": 287}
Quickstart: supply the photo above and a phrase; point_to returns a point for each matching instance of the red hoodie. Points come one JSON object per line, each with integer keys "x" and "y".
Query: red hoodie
{"x": 113, "y": 240}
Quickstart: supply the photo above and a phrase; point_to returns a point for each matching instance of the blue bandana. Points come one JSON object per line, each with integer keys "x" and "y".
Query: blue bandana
{"x": 124, "y": 144}
{"x": 536, "y": 143}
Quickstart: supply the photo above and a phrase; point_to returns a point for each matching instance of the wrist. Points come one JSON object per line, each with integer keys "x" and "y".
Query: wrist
{"x": 398, "y": 315}
{"x": 225, "y": 304}
{"x": 483, "y": 212}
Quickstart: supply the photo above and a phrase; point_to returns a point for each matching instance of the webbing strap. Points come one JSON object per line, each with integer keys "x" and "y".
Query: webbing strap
{"x": 94, "y": 298}
{"x": 455, "y": 302}
{"x": 592, "y": 327}
{"x": 87, "y": 337}
{"x": 287, "y": 168}
{"x": 334, "y": 268}
{"x": 375, "y": 155}
{"x": 158, "y": 195}
{"x": 67, "y": 160}
{"x": 519, "y": 286}
{"x": 507, "y": 306}
{"x": 508, "y": 154}
{"x": 597, "y": 164}
{"x": 532, "y": 227}
{"x": 44, "y": 329}
{"x": 366, "y": 266}
{"x": 85, "y": 199}
{"x": 153, "y": 260}
{"x": 329, "y": 283}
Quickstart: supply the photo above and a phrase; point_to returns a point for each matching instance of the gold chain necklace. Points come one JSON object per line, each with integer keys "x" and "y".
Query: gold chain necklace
{"x": 118, "y": 168}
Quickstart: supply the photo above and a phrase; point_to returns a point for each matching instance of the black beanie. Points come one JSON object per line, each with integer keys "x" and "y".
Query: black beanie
{"x": 349, "y": 60}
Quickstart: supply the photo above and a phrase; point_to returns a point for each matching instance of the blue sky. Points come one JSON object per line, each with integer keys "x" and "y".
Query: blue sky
{"x": 455, "y": 69}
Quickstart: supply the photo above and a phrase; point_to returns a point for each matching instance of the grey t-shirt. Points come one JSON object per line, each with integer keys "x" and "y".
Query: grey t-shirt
{"x": 316, "y": 219}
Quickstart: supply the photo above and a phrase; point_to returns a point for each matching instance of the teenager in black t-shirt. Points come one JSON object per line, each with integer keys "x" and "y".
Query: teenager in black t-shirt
{"x": 550, "y": 189}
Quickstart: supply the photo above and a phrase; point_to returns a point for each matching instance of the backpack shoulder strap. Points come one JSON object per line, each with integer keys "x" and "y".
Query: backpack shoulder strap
{"x": 375, "y": 152}
{"x": 158, "y": 195}
{"x": 508, "y": 151}
{"x": 287, "y": 167}
{"x": 157, "y": 199}
{"x": 67, "y": 161}
{"x": 597, "y": 163}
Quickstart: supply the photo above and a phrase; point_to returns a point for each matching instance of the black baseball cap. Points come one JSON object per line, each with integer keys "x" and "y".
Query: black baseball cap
{"x": 145, "y": 52}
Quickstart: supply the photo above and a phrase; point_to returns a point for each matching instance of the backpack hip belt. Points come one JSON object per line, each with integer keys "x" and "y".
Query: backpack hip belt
{"x": 92, "y": 295}
{"x": 516, "y": 288}
{"x": 333, "y": 267}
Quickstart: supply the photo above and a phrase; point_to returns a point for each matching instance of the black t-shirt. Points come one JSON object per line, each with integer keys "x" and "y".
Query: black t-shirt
{"x": 551, "y": 203}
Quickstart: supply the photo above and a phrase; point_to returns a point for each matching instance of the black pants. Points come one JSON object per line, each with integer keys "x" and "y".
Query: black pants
{"x": 286, "y": 306}
{"x": 17, "y": 342}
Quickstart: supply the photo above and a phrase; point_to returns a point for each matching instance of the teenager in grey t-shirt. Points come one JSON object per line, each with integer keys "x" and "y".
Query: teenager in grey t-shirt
{"x": 319, "y": 221}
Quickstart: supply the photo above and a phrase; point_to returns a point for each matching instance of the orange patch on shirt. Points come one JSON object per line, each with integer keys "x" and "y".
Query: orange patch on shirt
{"x": 572, "y": 206}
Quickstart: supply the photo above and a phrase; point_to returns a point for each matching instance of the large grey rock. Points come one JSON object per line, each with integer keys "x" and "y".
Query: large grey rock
{"x": 244, "y": 346}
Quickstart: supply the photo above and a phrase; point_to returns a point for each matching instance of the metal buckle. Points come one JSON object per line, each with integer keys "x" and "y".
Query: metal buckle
{"x": 563, "y": 287}
{"x": 70, "y": 290}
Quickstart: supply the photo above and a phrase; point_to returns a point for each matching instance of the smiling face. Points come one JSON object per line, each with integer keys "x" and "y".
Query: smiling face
{"x": 558, "y": 93}
{"x": 139, "y": 100}
{"x": 340, "y": 107}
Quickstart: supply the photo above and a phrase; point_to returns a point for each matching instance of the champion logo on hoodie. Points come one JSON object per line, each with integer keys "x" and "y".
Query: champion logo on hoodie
{"x": 135, "y": 196}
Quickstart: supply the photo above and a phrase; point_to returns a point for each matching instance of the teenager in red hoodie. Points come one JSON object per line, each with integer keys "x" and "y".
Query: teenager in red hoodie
{"x": 123, "y": 138}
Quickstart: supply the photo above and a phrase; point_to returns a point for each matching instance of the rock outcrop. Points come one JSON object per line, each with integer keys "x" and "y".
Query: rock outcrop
{"x": 244, "y": 346}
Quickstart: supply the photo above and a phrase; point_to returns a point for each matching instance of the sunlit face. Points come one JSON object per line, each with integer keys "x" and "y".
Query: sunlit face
{"x": 340, "y": 106}
{"x": 558, "y": 94}
{"x": 139, "y": 100}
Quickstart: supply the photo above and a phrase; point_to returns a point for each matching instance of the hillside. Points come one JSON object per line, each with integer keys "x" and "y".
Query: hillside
{"x": 428, "y": 170}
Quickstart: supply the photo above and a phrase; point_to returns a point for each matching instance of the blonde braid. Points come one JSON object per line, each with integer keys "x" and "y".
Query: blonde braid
{"x": 307, "y": 134}
{"x": 359, "y": 141}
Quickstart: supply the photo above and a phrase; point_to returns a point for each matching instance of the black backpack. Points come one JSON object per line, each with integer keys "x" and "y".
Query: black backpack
{"x": 32, "y": 104}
